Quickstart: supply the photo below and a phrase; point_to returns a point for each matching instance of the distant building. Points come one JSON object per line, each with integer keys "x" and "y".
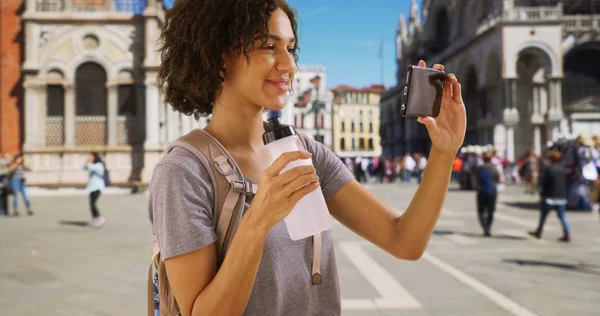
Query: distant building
{"x": 89, "y": 81}
{"x": 528, "y": 69}
{"x": 356, "y": 121}
{"x": 309, "y": 87}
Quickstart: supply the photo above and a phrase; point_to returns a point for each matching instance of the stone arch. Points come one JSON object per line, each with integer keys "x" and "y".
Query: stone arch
{"x": 54, "y": 107}
{"x": 81, "y": 55}
{"x": 544, "y": 52}
{"x": 492, "y": 86}
{"x": 55, "y": 74}
{"x": 91, "y": 104}
{"x": 442, "y": 31}
{"x": 77, "y": 61}
{"x": 581, "y": 79}
{"x": 534, "y": 64}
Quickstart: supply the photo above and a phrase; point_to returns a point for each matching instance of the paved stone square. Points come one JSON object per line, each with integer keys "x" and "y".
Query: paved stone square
{"x": 52, "y": 264}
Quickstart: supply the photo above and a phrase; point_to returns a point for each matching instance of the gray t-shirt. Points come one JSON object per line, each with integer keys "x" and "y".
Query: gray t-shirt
{"x": 181, "y": 208}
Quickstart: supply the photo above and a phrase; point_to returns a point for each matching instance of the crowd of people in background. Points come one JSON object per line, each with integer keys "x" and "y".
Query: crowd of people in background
{"x": 380, "y": 170}
{"x": 564, "y": 176}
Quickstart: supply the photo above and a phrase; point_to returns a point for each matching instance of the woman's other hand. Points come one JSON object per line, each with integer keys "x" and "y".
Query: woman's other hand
{"x": 447, "y": 131}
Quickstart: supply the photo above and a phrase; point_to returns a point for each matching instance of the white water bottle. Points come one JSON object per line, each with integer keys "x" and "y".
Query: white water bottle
{"x": 310, "y": 216}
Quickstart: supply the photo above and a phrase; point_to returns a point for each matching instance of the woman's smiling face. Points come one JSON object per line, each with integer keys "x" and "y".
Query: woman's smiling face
{"x": 265, "y": 78}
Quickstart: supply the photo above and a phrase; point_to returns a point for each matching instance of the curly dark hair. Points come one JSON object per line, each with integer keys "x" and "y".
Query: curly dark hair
{"x": 193, "y": 39}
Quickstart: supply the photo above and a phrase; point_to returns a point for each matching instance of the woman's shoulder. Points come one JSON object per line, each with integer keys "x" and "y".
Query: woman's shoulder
{"x": 179, "y": 162}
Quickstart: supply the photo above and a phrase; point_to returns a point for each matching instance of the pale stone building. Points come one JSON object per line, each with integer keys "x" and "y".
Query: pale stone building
{"x": 529, "y": 70}
{"x": 310, "y": 85}
{"x": 356, "y": 121}
{"x": 89, "y": 77}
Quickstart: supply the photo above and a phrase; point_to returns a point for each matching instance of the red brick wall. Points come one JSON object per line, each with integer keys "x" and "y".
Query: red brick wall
{"x": 11, "y": 93}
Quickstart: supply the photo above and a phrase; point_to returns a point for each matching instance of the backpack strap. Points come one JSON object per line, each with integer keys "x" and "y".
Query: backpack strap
{"x": 317, "y": 239}
{"x": 226, "y": 168}
{"x": 230, "y": 186}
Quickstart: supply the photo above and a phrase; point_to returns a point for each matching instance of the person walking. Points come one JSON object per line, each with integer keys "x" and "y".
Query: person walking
{"x": 96, "y": 168}
{"x": 4, "y": 183}
{"x": 488, "y": 179}
{"x": 553, "y": 196}
{"x": 409, "y": 167}
{"x": 17, "y": 184}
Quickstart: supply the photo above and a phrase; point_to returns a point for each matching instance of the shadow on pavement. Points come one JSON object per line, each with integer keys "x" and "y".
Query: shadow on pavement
{"x": 535, "y": 206}
{"x": 475, "y": 235}
{"x": 530, "y": 206}
{"x": 75, "y": 223}
{"x": 582, "y": 267}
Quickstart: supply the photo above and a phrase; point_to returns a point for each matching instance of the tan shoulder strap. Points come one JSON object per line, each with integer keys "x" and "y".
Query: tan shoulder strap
{"x": 229, "y": 183}
{"x": 317, "y": 240}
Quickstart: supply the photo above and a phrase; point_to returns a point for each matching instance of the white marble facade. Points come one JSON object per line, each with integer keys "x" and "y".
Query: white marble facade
{"x": 90, "y": 85}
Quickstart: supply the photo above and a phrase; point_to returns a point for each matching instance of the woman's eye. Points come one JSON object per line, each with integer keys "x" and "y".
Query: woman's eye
{"x": 271, "y": 47}
{"x": 291, "y": 49}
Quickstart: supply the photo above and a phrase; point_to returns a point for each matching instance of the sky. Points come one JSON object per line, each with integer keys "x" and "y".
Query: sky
{"x": 345, "y": 36}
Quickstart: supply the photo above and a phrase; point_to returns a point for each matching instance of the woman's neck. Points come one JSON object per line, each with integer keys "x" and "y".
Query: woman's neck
{"x": 237, "y": 127}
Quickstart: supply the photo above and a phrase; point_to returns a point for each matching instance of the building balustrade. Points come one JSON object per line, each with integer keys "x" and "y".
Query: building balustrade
{"x": 129, "y": 6}
{"x": 532, "y": 14}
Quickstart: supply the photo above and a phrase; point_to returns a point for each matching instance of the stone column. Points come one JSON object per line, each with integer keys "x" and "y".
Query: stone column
{"x": 555, "y": 112}
{"x": 499, "y": 138}
{"x": 140, "y": 131}
{"x": 510, "y": 112}
{"x": 32, "y": 123}
{"x": 32, "y": 36}
{"x": 30, "y": 6}
{"x": 510, "y": 143}
{"x": 70, "y": 114}
{"x": 536, "y": 99}
{"x": 111, "y": 113}
{"x": 152, "y": 112}
{"x": 537, "y": 140}
{"x": 510, "y": 115}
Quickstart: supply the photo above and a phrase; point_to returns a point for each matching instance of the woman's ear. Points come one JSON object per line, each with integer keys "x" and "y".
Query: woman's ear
{"x": 226, "y": 63}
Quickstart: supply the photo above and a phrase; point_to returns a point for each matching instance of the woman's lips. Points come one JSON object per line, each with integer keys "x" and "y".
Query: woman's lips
{"x": 281, "y": 85}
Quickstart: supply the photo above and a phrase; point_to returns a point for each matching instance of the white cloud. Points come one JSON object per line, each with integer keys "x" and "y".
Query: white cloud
{"x": 316, "y": 11}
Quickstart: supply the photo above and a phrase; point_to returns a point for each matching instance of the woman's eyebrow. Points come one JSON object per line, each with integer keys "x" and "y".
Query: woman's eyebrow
{"x": 279, "y": 39}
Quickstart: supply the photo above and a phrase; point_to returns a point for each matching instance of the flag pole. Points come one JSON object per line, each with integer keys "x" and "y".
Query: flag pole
{"x": 381, "y": 59}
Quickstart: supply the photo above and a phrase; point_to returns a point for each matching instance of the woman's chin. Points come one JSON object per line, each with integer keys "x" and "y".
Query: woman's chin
{"x": 275, "y": 106}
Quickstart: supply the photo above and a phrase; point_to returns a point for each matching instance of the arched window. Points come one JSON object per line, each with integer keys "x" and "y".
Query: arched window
{"x": 90, "y": 105}
{"x": 55, "y": 109}
{"x": 442, "y": 32}
{"x": 127, "y": 110}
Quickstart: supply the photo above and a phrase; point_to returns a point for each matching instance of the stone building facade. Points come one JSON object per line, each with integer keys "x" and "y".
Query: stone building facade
{"x": 526, "y": 67}
{"x": 89, "y": 82}
{"x": 310, "y": 86}
{"x": 356, "y": 121}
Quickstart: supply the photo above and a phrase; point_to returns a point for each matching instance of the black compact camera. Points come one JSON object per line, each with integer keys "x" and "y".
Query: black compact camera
{"x": 423, "y": 90}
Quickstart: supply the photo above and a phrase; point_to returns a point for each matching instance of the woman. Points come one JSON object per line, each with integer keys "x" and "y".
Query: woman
{"x": 554, "y": 196}
{"x": 234, "y": 59}
{"x": 96, "y": 169}
{"x": 17, "y": 184}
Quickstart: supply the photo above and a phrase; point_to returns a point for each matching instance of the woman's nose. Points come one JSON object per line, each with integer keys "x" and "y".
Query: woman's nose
{"x": 286, "y": 62}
